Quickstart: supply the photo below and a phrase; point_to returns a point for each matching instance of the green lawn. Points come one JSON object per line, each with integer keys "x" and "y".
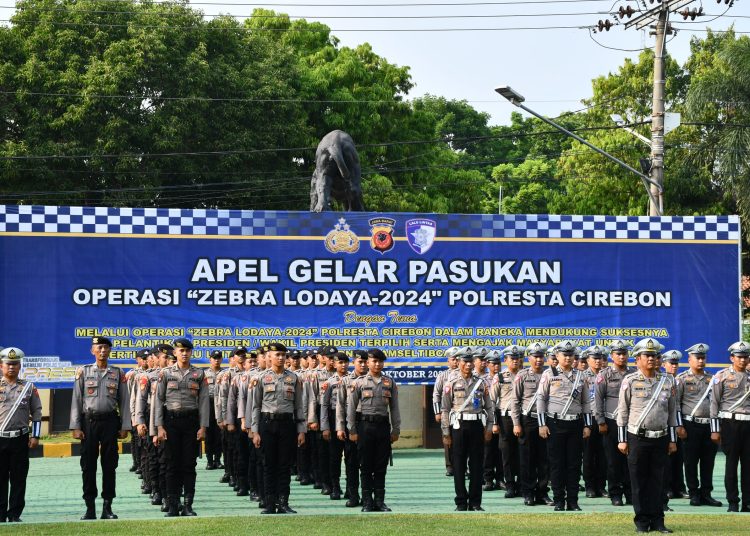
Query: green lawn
{"x": 380, "y": 524}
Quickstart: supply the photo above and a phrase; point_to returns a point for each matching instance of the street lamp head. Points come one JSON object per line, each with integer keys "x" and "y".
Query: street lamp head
{"x": 511, "y": 94}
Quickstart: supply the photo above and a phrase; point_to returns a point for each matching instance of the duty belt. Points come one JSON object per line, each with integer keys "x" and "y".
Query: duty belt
{"x": 93, "y": 416}
{"x": 532, "y": 414}
{"x": 697, "y": 420}
{"x": 563, "y": 417}
{"x": 470, "y": 417}
{"x": 278, "y": 416}
{"x": 734, "y": 416}
{"x": 14, "y": 433}
{"x": 649, "y": 434}
{"x": 179, "y": 413}
{"x": 374, "y": 418}
{"x": 505, "y": 413}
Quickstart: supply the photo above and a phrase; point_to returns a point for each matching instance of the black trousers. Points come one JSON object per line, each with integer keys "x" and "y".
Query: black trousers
{"x": 565, "y": 453}
{"x": 351, "y": 460}
{"x": 735, "y": 442}
{"x": 213, "y": 437}
{"x": 698, "y": 449}
{"x": 257, "y": 467}
{"x": 492, "y": 467}
{"x": 136, "y": 450}
{"x": 311, "y": 440}
{"x": 673, "y": 476}
{"x": 324, "y": 459}
{"x": 242, "y": 457}
{"x": 646, "y": 461}
{"x": 143, "y": 447}
{"x": 448, "y": 453}
{"x": 594, "y": 462}
{"x": 618, "y": 476}
{"x": 304, "y": 464}
{"x": 14, "y": 468}
{"x": 278, "y": 441}
{"x": 225, "y": 450}
{"x": 509, "y": 450}
{"x": 534, "y": 470}
{"x": 230, "y": 454}
{"x": 374, "y": 444}
{"x": 100, "y": 437}
{"x": 468, "y": 444}
{"x": 158, "y": 480}
{"x": 335, "y": 451}
{"x": 181, "y": 453}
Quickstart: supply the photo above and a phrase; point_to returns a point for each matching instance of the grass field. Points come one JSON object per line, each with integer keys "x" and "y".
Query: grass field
{"x": 383, "y": 524}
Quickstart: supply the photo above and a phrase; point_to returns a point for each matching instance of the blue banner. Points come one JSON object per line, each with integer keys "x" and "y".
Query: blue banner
{"x": 411, "y": 284}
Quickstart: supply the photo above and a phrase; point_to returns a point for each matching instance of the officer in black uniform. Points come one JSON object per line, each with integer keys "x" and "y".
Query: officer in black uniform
{"x": 99, "y": 414}
{"x": 181, "y": 417}
{"x": 19, "y": 404}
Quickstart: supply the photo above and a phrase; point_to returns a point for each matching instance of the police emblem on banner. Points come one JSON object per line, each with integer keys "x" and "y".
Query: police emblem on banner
{"x": 420, "y": 233}
{"x": 382, "y": 234}
{"x": 341, "y": 239}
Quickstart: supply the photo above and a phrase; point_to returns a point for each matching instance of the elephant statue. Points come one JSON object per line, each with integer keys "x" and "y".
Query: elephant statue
{"x": 337, "y": 174}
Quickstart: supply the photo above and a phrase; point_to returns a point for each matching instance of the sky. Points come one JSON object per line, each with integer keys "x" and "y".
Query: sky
{"x": 552, "y": 68}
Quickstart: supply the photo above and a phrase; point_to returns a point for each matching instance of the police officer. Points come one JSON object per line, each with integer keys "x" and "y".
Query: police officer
{"x": 131, "y": 379}
{"x": 646, "y": 421}
{"x": 329, "y": 399}
{"x": 466, "y": 423}
{"x": 730, "y": 423}
{"x": 508, "y": 441}
{"x": 351, "y": 454}
{"x": 236, "y": 425}
{"x": 315, "y": 395}
{"x": 225, "y": 379}
{"x": 19, "y": 404}
{"x": 437, "y": 395}
{"x": 305, "y": 468}
{"x": 493, "y": 460}
{"x": 674, "y": 483}
{"x": 594, "y": 463}
{"x": 534, "y": 472}
{"x": 278, "y": 426}
{"x": 693, "y": 403}
{"x": 376, "y": 396}
{"x": 564, "y": 413}
{"x": 99, "y": 414}
{"x": 181, "y": 415}
{"x": 255, "y": 463}
{"x": 213, "y": 433}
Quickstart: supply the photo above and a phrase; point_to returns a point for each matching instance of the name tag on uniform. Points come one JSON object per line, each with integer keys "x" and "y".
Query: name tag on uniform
{"x": 270, "y": 388}
{"x": 366, "y": 393}
{"x": 172, "y": 385}
{"x": 289, "y": 394}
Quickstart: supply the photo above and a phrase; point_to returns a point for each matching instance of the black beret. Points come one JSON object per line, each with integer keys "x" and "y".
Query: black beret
{"x": 276, "y": 347}
{"x": 182, "y": 343}
{"x": 376, "y": 353}
{"x": 101, "y": 340}
{"x": 296, "y": 354}
{"x": 143, "y": 354}
{"x": 308, "y": 353}
{"x": 329, "y": 351}
{"x": 216, "y": 354}
{"x": 321, "y": 349}
{"x": 163, "y": 349}
{"x": 360, "y": 354}
{"x": 341, "y": 356}
{"x": 252, "y": 355}
{"x": 240, "y": 350}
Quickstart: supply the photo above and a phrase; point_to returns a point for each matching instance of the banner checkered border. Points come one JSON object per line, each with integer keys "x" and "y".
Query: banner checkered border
{"x": 212, "y": 222}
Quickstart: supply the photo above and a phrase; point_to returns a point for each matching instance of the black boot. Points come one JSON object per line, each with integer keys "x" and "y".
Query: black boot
{"x": 270, "y": 505}
{"x": 367, "y": 505}
{"x": 707, "y": 500}
{"x": 107, "y": 510}
{"x": 242, "y": 491}
{"x": 156, "y": 499}
{"x": 353, "y": 501}
{"x": 173, "y": 507}
{"x": 90, "y": 510}
{"x": 336, "y": 492}
{"x": 380, "y": 505}
{"x": 187, "y": 509}
{"x": 283, "y": 506}
{"x": 224, "y": 478}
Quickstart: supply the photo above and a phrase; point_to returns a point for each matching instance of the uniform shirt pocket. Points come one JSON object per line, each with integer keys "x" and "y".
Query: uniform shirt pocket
{"x": 289, "y": 393}
{"x": 171, "y": 385}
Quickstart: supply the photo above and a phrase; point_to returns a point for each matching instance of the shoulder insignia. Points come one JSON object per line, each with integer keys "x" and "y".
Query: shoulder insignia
{"x": 254, "y": 382}
{"x": 79, "y": 372}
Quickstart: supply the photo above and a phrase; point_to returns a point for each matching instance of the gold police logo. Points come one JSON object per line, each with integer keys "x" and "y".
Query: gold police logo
{"x": 12, "y": 354}
{"x": 382, "y": 234}
{"x": 341, "y": 239}
{"x": 650, "y": 344}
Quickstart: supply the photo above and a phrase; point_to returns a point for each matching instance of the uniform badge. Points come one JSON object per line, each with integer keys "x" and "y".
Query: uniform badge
{"x": 341, "y": 239}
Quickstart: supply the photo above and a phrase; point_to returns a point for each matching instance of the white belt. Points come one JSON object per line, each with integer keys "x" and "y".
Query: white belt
{"x": 697, "y": 420}
{"x": 532, "y": 414}
{"x": 734, "y": 416}
{"x": 505, "y": 413}
{"x": 15, "y": 433}
{"x": 470, "y": 417}
{"x": 563, "y": 417}
{"x": 610, "y": 416}
{"x": 650, "y": 434}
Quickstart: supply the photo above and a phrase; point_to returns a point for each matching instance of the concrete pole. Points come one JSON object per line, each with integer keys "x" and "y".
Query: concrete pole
{"x": 657, "y": 118}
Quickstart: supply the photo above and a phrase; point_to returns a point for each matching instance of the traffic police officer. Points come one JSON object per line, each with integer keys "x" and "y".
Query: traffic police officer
{"x": 534, "y": 472}
{"x": 99, "y": 414}
{"x": 594, "y": 463}
{"x": 694, "y": 404}
{"x": 213, "y": 433}
{"x": 730, "y": 423}
{"x": 646, "y": 421}
{"x": 278, "y": 417}
{"x": 508, "y": 441}
{"x": 437, "y": 395}
{"x": 466, "y": 423}
{"x": 606, "y": 397}
{"x": 181, "y": 416}
{"x": 674, "y": 482}
{"x": 564, "y": 413}
{"x": 376, "y": 396}
{"x": 493, "y": 460}
{"x": 19, "y": 404}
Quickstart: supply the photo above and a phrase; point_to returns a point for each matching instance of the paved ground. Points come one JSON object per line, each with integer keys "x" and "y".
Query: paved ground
{"x": 415, "y": 485}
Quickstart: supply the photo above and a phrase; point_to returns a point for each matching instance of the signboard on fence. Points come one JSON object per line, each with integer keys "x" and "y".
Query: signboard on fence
{"x": 411, "y": 284}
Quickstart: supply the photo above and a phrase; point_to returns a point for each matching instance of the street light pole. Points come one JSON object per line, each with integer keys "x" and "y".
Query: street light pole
{"x": 517, "y": 99}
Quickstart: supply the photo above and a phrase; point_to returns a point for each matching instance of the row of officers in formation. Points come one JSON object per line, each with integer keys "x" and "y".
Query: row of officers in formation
{"x": 274, "y": 412}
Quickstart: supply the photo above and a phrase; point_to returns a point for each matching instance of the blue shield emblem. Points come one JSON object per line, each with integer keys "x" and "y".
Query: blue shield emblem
{"x": 420, "y": 233}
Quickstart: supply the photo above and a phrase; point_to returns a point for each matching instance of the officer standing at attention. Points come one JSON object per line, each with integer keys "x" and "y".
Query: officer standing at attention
{"x": 376, "y": 396}
{"x": 181, "y": 416}
{"x": 674, "y": 482}
{"x": 329, "y": 400}
{"x": 493, "y": 460}
{"x": 508, "y": 441}
{"x": 606, "y": 397}
{"x": 694, "y": 403}
{"x": 466, "y": 423}
{"x": 730, "y": 423}
{"x": 99, "y": 414}
{"x": 594, "y": 463}
{"x": 278, "y": 426}
{"x": 646, "y": 421}
{"x": 19, "y": 404}
{"x": 534, "y": 472}
{"x": 213, "y": 433}
{"x": 564, "y": 413}
{"x": 437, "y": 395}
{"x": 131, "y": 378}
